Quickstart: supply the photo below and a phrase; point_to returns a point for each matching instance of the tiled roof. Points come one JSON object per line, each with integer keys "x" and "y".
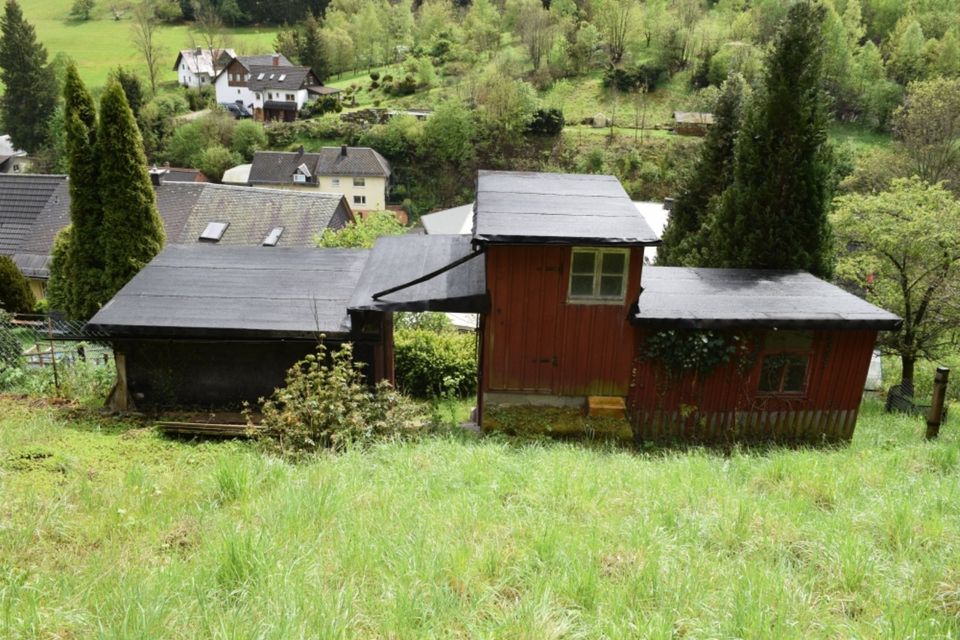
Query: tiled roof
{"x": 264, "y": 77}
{"x": 22, "y": 198}
{"x": 263, "y": 60}
{"x": 253, "y": 213}
{"x": 277, "y": 167}
{"x": 187, "y": 207}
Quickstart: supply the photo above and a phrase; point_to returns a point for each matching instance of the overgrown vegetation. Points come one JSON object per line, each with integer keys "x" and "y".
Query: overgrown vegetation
{"x": 15, "y": 294}
{"x": 435, "y": 362}
{"x": 327, "y": 403}
{"x": 362, "y": 232}
{"x": 110, "y": 529}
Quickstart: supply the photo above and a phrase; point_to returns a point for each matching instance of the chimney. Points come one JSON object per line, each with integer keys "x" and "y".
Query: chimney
{"x": 199, "y": 50}
{"x": 276, "y": 59}
{"x": 156, "y": 175}
{"x": 343, "y": 150}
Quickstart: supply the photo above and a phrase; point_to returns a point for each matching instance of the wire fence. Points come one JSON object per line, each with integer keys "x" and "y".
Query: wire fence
{"x": 50, "y": 342}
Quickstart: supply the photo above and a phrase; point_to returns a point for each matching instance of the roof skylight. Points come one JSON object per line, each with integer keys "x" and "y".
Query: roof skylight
{"x": 214, "y": 231}
{"x": 273, "y": 238}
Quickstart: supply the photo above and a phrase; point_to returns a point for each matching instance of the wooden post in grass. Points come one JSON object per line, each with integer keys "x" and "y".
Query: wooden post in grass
{"x": 935, "y": 419}
{"x": 53, "y": 355}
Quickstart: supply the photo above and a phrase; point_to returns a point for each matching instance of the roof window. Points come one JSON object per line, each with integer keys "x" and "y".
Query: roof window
{"x": 214, "y": 231}
{"x": 282, "y": 77}
{"x": 260, "y": 76}
{"x": 273, "y": 238}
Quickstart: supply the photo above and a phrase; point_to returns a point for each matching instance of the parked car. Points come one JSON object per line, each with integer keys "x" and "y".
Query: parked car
{"x": 237, "y": 110}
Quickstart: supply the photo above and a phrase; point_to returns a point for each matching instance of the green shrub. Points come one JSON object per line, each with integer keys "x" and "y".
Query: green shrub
{"x": 434, "y": 363}
{"x": 15, "y": 294}
{"x": 327, "y": 404}
{"x": 363, "y": 232}
{"x": 215, "y": 160}
{"x": 248, "y": 138}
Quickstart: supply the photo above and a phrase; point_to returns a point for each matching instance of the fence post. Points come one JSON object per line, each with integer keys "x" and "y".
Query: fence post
{"x": 935, "y": 418}
{"x": 53, "y": 355}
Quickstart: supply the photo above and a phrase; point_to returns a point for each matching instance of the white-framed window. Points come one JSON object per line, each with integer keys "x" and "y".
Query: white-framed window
{"x": 598, "y": 275}
{"x": 359, "y": 199}
{"x": 359, "y": 182}
{"x": 291, "y": 97}
{"x": 334, "y": 182}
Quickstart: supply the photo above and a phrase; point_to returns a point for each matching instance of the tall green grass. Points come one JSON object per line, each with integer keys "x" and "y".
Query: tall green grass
{"x": 109, "y": 530}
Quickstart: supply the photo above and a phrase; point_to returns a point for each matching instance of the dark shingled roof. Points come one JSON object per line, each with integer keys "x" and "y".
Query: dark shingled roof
{"x": 399, "y": 260}
{"x": 264, "y": 60}
{"x": 224, "y": 292}
{"x": 277, "y": 167}
{"x": 556, "y": 208}
{"x": 278, "y": 78}
{"x": 187, "y": 207}
{"x": 719, "y": 298}
{"x": 22, "y": 198}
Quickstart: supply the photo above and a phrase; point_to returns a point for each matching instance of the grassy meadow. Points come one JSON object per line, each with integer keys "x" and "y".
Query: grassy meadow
{"x": 109, "y": 530}
{"x": 102, "y": 43}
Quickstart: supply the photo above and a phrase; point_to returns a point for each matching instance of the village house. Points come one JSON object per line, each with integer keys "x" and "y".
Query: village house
{"x": 572, "y": 321}
{"x": 197, "y": 67}
{"x": 12, "y": 160}
{"x": 269, "y": 86}
{"x": 232, "y": 80}
{"x": 359, "y": 173}
{"x": 33, "y": 209}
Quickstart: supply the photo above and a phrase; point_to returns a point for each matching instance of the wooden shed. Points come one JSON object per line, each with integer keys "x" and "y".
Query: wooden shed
{"x": 797, "y": 352}
{"x": 213, "y": 327}
{"x": 692, "y": 123}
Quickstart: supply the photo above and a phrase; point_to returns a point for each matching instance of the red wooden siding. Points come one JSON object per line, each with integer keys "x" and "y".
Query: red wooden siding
{"x": 534, "y": 342}
{"x": 728, "y": 406}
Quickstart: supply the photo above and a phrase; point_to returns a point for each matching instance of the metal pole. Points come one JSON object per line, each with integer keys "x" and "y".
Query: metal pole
{"x": 53, "y": 355}
{"x": 935, "y": 419}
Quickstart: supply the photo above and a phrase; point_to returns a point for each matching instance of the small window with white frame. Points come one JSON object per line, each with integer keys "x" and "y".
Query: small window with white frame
{"x": 598, "y": 275}
{"x": 359, "y": 199}
{"x": 359, "y": 182}
{"x": 334, "y": 182}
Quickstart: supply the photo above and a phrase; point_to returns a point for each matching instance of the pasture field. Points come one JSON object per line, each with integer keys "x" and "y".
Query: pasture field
{"x": 102, "y": 43}
{"x": 109, "y": 530}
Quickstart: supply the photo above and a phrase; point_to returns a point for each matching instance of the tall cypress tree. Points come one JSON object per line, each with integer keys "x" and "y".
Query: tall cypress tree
{"x": 84, "y": 285}
{"x": 132, "y": 229}
{"x": 774, "y": 215}
{"x": 30, "y": 94}
{"x": 685, "y": 241}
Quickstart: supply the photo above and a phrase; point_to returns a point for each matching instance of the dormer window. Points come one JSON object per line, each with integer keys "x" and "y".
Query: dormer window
{"x": 598, "y": 275}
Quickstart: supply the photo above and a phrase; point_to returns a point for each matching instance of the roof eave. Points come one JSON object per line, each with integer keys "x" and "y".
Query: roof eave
{"x": 703, "y": 324}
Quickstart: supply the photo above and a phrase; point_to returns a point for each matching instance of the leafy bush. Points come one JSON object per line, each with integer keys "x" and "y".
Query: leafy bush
{"x": 248, "y": 137}
{"x": 546, "y": 122}
{"x": 435, "y": 363}
{"x": 374, "y": 75}
{"x": 214, "y": 161}
{"x": 363, "y": 232}
{"x": 646, "y": 76}
{"x": 327, "y": 404}
{"x": 198, "y": 99}
{"x": 15, "y": 294}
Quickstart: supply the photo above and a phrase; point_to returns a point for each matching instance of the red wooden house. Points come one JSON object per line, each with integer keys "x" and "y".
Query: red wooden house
{"x": 571, "y": 315}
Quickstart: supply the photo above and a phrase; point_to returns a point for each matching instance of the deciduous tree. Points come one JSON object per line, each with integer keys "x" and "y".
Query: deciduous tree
{"x": 144, "y": 36}
{"x": 903, "y": 247}
{"x": 928, "y": 128}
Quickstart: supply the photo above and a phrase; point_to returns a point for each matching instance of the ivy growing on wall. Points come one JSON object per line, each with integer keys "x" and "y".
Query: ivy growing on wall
{"x": 682, "y": 351}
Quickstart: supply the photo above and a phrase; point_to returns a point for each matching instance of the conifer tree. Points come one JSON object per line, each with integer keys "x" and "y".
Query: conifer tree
{"x": 83, "y": 285}
{"x": 30, "y": 87}
{"x": 774, "y": 215}
{"x": 133, "y": 231}
{"x": 685, "y": 240}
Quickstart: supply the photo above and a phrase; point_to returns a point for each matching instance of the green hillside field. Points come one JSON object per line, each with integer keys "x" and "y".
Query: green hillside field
{"x": 102, "y": 43}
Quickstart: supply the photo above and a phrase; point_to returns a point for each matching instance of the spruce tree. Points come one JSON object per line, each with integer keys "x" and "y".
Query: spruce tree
{"x": 132, "y": 229}
{"x": 310, "y": 48}
{"x": 30, "y": 87}
{"x": 685, "y": 238}
{"x": 774, "y": 215}
{"x": 84, "y": 288}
